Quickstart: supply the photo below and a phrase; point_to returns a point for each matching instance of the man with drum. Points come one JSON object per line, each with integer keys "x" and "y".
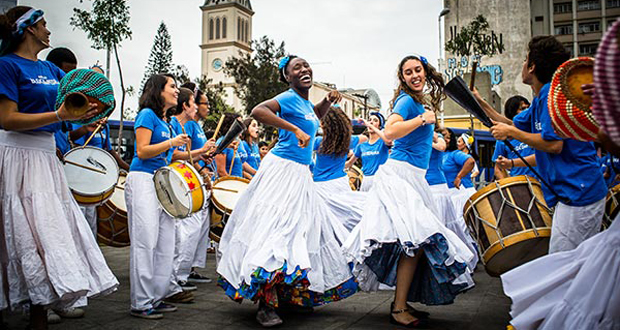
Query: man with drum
{"x": 568, "y": 166}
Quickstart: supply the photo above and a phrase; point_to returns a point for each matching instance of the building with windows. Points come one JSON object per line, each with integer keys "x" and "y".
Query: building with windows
{"x": 578, "y": 24}
{"x": 226, "y": 31}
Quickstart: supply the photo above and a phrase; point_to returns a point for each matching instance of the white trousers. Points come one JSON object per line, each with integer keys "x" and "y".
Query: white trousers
{"x": 575, "y": 224}
{"x": 152, "y": 234}
{"x": 90, "y": 213}
{"x": 192, "y": 241}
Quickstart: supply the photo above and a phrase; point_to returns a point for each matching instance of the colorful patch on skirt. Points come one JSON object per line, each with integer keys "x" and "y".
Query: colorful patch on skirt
{"x": 432, "y": 282}
{"x": 277, "y": 287}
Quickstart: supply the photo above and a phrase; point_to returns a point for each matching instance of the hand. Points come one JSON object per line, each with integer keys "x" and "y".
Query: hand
{"x": 333, "y": 97}
{"x": 92, "y": 127}
{"x": 500, "y": 131}
{"x": 209, "y": 146}
{"x": 179, "y": 140}
{"x": 588, "y": 89}
{"x": 234, "y": 145}
{"x": 302, "y": 137}
{"x": 429, "y": 116}
{"x": 457, "y": 183}
{"x": 435, "y": 137}
{"x": 206, "y": 158}
{"x": 474, "y": 174}
{"x": 503, "y": 163}
{"x": 66, "y": 116}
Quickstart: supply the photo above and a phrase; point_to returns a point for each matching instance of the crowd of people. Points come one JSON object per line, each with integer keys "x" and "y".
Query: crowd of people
{"x": 299, "y": 236}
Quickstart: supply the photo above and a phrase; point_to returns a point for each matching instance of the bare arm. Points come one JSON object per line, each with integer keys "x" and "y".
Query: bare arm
{"x": 220, "y": 161}
{"x": 13, "y": 120}
{"x": 396, "y": 127}
{"x": 467, "y": 167}
{"x": 439, "y": 144}
{"x": 321, "y": 108}
{"x": 503, "y": 131}
{"x": 121, "y": 163}
{"x": 146, "y": 150}
{"x": 499, "y": 172}
{"x": 379, "y": 132}
{"x": 350, "y": 162}
{"x": 249, "y": 169}
{"x": 265, "y": 113}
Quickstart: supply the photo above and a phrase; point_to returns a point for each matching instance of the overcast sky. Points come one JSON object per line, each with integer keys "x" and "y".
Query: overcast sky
{"x": 352, "y": 43}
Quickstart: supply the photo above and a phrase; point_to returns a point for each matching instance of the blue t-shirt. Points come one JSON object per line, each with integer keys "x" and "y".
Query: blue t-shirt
{"x": 573, "y": 173}
{"x": 502, "y": 150}
{"x": 299, "y": 112}
{"x": 453, "y": 162}
{"x": 160, "y": 132}
{"x": 252, "y": 154}
{"x": 434, "y": 174}
{"x": 612, "y": 164}
{"x": 62, "y": 137}
{"x": 372, "y": 156}
{"x": 197, "y": 136}
{"x": 327, "y": 166}
{"x": 178, "y": 129}
{"x": 415, "y": 147}
{"x": 33, "y": 85}
{"x": 100, "y": 140}
{"x": 237, "y": 169}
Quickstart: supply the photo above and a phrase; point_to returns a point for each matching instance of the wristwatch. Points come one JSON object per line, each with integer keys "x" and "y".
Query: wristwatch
{"x": 423, "y": 120}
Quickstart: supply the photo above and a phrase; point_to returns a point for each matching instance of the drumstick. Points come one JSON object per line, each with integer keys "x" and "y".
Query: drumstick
{"x": 232, "y": 162}
{"x": 188, "y": 145}
{"x": 225, "y": 189}
{"x": 85, "y": 167}
{"x": 219, "y": 124}
{"x": 92, "y": 135}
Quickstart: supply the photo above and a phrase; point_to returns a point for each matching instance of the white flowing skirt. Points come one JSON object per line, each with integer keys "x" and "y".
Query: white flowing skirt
{"x": 447, "y": 212}
{"x": 367, "y": 183}
{"x": 576, "y": 289}
{"x": 401, "y": 217}
{"x": 49, "y": 254}
{"x": 280, "y": 220}
{"x": 347, "y": 205}
{"x": 460, "y": 197}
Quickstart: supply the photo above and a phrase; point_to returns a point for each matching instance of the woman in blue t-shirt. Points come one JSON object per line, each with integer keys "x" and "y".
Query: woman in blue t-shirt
{"x": 329, "y": 175}
{"x": 151, "y": 230}
{"x": 373, "y": 152}
{"x": 49, "y": 255}
{"x": 281, "y": 244}
{"x": 251, "y": 155}
{"x": 458, "y": 166}
{"x": 400, "y": 232}
{"x": 231, "y": 156}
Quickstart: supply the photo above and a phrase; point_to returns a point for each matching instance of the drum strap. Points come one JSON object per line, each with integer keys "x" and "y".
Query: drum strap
{"x": 538, "y": 176}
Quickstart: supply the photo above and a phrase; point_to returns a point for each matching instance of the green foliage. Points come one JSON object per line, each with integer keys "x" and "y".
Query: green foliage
{"x": 257, "y": 74}
{"x": 473, "y": 40}
{"x": 181, "y": 74}
{"x": 217, "y": 106}
{"x": 107, "y": 25}
{"x": 160, "y": 59}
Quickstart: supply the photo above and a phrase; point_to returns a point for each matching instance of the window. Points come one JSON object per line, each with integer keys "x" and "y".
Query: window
{"x": 238, "y": 28}
{"x": 589, "y": 27}
{"x": 569, "y": 49}
{"x": 224, "y": 20}
{"x": 217, "y": 28}
{"x": 211, "y": 29}
{"x": 247, "y": 31}
{"x": 562, "y": 8}
{"x": 613, "y": 3}
{"x": 588, "y": 49}
{"x": 563, "y": 29}
{"x": 588, "y": 5}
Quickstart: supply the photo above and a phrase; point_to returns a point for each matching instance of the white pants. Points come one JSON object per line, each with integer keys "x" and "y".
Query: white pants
{"x": 192, "y": 241}
{"x": 90, "y": 213}
{"x": 575, "y": 224}
{"x": 152, "y": 234}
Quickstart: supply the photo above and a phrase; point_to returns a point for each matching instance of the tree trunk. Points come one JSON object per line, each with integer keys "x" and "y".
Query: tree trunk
{"x": 120, "y": 74}
{"x": 107, "y": 64}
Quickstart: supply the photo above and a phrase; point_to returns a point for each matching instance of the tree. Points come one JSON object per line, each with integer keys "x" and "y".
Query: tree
{"x": 160, "y": 59}
{"x": 181, "y": 74}
{"x": 217, "y": 106}
{"x": 107, "y": 25}
{"x": 257, "y": 74}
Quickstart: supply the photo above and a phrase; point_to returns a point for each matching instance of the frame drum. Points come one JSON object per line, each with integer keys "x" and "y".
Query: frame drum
{"x": 92, "y": 174}
{"x": 510, "y": 221}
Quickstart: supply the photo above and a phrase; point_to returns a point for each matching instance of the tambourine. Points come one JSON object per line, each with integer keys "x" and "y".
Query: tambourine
{"x": 80, "y": 87}
{"x": 569, "y": 108}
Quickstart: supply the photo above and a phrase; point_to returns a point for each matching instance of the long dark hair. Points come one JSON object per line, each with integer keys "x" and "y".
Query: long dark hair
{"x": 434, "y": 81}
{"x": 246, "y": 134}
{"x": 7, "y": 26}
{"x": 229, "y": 119}
{"x": 337, "y": 132}
{"x": 151, "y": 94}
{"x": 185, "y": 95}
{"x": 452, "y": 144}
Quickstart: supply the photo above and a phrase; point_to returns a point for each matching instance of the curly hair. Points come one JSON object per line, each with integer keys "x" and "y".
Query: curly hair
{"x": 547, "y": 53}
{"x": 434, "y": 83}
{"x": 337, "y": 130}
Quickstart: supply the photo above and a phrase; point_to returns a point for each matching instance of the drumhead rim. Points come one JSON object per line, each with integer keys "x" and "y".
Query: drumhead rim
{"x": 189, "y": 196}
{"x": 505, "y": 182}
{"x": 202, "y": 183}
{"x": 118, "y": 170}
{"x": 225, "y": 178}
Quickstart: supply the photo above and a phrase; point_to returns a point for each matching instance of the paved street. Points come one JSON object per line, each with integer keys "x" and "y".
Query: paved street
{"x": 484, "y": 307}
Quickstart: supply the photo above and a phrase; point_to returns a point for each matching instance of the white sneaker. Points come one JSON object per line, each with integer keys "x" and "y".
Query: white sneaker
{"x": 70, "y": 313}
{"x": 52, "y": 317}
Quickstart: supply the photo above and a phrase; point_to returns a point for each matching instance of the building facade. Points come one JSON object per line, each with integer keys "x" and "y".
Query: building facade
{"x": 578, "y": 24}
{"x": 226, "y": 31}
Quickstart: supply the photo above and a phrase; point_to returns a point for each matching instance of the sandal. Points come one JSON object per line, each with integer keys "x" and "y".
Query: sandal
{"x": 412, "y": 324}
{"x": 418, "y": 314}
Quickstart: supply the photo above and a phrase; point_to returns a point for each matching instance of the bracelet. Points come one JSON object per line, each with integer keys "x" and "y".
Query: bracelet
{"x": 423, "y": 120}
{"x": 57, "y": 115}
{"x": 513, "y": 163}
{"x": 170, "y": 140}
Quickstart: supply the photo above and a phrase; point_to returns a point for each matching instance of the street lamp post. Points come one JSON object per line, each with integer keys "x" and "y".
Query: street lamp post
{"x": 444, "y": 12}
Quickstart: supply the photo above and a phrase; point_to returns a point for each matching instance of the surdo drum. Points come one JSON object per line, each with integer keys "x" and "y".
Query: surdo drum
{"x": 355, "y": 178}
{"x": 92, "y": 174}
{"x": 226, "y": 193}
{"x": 180, "y": 189}
{"x": 112, "y": 227}
{"x": 510, "y": 221}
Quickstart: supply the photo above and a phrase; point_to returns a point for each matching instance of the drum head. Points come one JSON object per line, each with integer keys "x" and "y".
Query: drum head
{"x": 226, "y": 192}
{"x": 87, "y": 182}
{"x": 118, "y": 197}
{"x": 172, "y": 193}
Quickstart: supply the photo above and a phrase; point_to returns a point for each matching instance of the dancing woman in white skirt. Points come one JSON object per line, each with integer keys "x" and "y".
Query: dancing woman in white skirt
{"x": 458, "y": 165}
{"x": 48, "y": 255}
{"x": 331, "y": 180}
{"x": 373, "y": 152}
{"x": 400, "y": 240}
{"x": 151, "y": 230}
{"x": 281, "y": 245}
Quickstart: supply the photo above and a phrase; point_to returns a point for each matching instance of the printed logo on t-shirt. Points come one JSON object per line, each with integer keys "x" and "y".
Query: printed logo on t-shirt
{"x": 370, "y": 153}
{"x": 521, "y": 147}
{"x": 165, "y": 134}
{"x": 44, "y": 80}
{"x": 311, "y": 116}
{"x": 538, "y": 126}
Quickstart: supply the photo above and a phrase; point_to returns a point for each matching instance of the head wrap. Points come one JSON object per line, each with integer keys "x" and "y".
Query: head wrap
{"x": 606, "y": 102}
{"x": 29, "y": 18}
{"x": 468, "y": 140}
{"x": 381, "y": 119}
